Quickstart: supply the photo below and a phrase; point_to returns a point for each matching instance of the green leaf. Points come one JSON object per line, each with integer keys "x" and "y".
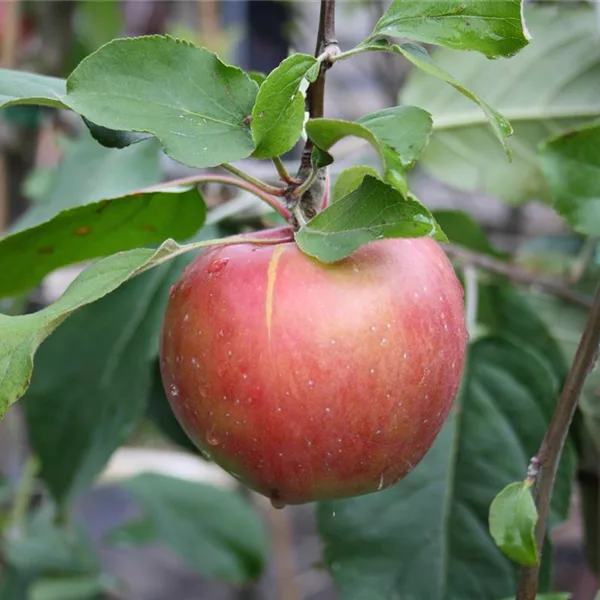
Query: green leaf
{"x": 349, "y": 179}
{"x": 373, "y": 211}
{"x": 278, "y": 115}
{"x": 45, "y": 547}
{"x": 513, "y": 517}
{"x": 70, "y": 588}
{"x": 14, "y": 584}
{"x": 20, "y": 87}
{"x": 80, "y": 410}
{"x": 88, "y": 172}
{"x": 419, "y": 537}
{"x": 462, "y": 229}
{"x": 571, "y": 164}
{"x": 21, "y": 336}
{"x": 463, "y": 151}
{"x": 404, "y": 129}
{"x": 213, "y": 530}
{"x": 134, "y": 534}
{"x": 492, "y": 28}
{"x": 419, "y": 57}
{"x": 258, "y": 77}
{"x": 184, "y": 95}
{"x": 96, "y": 230}
{"x": 113, "y": 138}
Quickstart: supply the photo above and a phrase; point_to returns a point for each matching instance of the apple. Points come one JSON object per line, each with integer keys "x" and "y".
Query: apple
{"x": 310, "y": 381}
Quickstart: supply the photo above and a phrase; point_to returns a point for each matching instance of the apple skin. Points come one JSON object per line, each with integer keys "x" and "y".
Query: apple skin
{"x": 309, "y": 381}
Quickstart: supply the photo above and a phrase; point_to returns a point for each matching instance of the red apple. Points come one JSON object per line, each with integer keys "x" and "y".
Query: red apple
{"x": 309, "y": 381}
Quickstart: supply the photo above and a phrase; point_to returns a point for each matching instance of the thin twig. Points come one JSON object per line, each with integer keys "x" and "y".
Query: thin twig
{"x": 518, "y": 275}
{"x": 227, "y": 180}
{"x": 261, "y": 185}
{"x": 547, "y": 459}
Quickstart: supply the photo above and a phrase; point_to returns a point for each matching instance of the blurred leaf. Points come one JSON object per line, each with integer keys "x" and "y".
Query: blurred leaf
{"x": 70, "y": 588}
{"x": 493, "y": 28}
{"x": 557, "y": 596}
{"x": 134, "y": 534}
{"x": 213, "y": 530}
{"x": 278, "y": 115}
{"x": 184, "y": 95}
{"x": 14, "y": 584}
{"x": 98, "y": 22}
{"x": 419, "y": 57}
{"x": 20, "y": 87}
{"x": 462, "y": 229}
{"x": 349, "y": 179}
{"x": 513, "y": 517}
{"x": 43, "y": 547}
{"x": 548, "y": 88}
{"x": 571, "y": 164}
{"x": 96, "y": 230}
{"x": 373, "y": 211}
{"x": 88, "y": 172}
{"x": 419, "y": 537}
{"x": 161, "y": 414}
{"x": 92, "y": 380}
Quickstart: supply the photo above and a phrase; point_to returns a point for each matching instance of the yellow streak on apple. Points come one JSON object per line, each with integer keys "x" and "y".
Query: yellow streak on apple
{"x": 271, "y": 277}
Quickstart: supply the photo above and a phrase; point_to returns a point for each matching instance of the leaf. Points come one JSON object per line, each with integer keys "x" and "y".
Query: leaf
{"x": 96, "y": 230}
{"x": 258, "y": 77}
{"x": 405, "y": 129}
{"x": 21, "y": 336}
{"x": 419, "y": 537}
{"x": 134, "y": 534}
{"x": 513, "y": 517}
{"x": 20, "y": 87}
{"x": 462, "y": 229}
{"x": 70, "y": 588}
{"x": 492, "y": 28}
{"x": 213, "y": 530}
{"x": 571, "y": 164}
{"x": 557, "y": 596}
{"x": 373, "y": 211}
{"x": 419, "y": 57}
{"x": 349, "y": 179}
{"x": 88, "y": 172}
{"x": 278, "y": 115}
{"x": 112, "y": 138}
{"x": 550, "y": 87}
{"x": 184, "y": 95}
{"x": 80, "y": 410}
{"x": 44, "y": 547}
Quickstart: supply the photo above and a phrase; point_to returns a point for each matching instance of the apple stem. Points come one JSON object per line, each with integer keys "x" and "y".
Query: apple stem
{"x": 228, "y": 180}
{"x": 261, "y": 185}
{"x": 283, "y": 172}
{"x": 545, "y": 463}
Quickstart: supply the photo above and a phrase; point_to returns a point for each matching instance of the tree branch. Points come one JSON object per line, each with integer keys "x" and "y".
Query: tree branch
{"x": 518, "y": 275}
{"x": 545, "y": 464}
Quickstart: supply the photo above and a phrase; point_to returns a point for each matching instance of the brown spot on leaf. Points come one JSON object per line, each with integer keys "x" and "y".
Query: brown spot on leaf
{"x": 45, "y": 250}
{"x": 248, "y": 120}
{"x": 261, "y": 115}
{"x": 149, "y": 227}
{"x": 82, "y": 230}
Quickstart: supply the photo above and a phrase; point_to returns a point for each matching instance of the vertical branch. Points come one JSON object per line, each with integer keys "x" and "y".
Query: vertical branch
{"x": 545, "y": 463}
{"x": 327, "y": 47}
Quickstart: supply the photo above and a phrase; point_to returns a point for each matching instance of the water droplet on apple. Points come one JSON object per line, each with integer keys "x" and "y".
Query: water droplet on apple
{"x": 187, "y": 317}
{"x": 244, "y": 375}
{"x": 373, "y": 328}
{"x": 278, "y": 409}
{"x": 212, "y": 439}
{"x": 405, "y": 355}
{"x": 173, "y": 390}
{"x": 372, "y": 371}
{"x": 332, "y": 341}
{"x": 384, "y": 342}
{"x": 311, "y": 383}
{"x": 217, "y": 266}
{"x": 327, "y": 410}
